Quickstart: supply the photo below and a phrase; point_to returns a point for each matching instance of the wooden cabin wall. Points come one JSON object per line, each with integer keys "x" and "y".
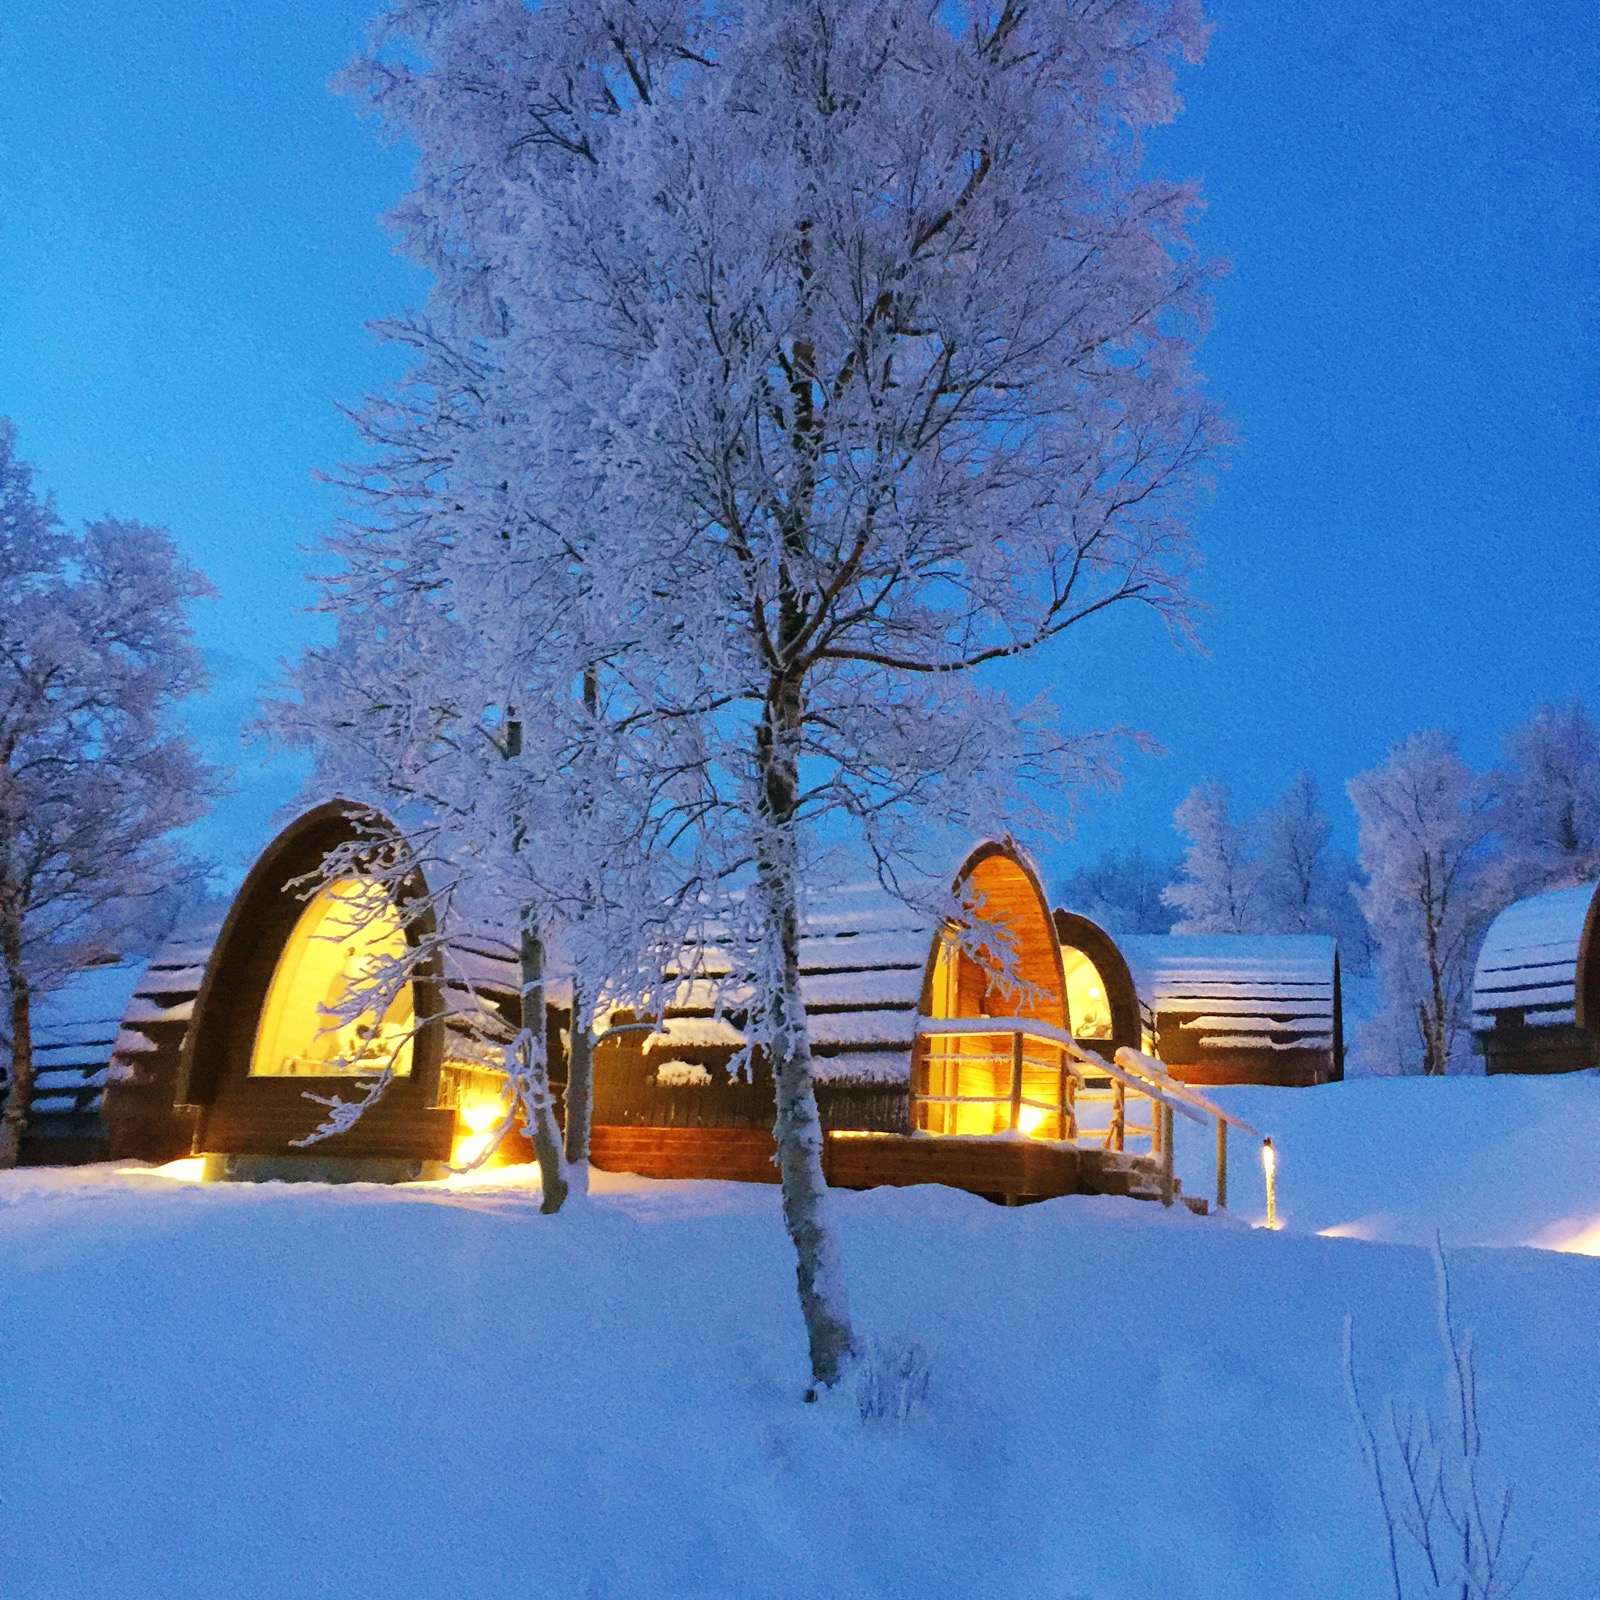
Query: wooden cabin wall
{"x": 1192, "y": 1062}
{"x": 628, "y": 1093}
{"x": 1511, "y": 1047}
{"x": 1586, "y": 986}
{"x": 144, "y": 1121}
{"x": 1006, "y": 892}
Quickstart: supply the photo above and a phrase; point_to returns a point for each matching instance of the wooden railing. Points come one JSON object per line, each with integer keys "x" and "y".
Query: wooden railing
{"x": 1035, "y": 1052}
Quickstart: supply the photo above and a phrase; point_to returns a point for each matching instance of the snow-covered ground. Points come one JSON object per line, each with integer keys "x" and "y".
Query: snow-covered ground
{"x": 434, "y": 1392}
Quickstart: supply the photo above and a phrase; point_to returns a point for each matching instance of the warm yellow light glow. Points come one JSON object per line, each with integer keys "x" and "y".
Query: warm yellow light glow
{"x": 1029, "y": 1119}
{"x": 1269, "y": 1165}
{"x": 1575, "y": 1237}
{"x": 964, "y": 1065}
{"x": 478, "y": 1119}
{"x": 191, "y": 1169}
{"x": 482, "y": 1117}
{"x": 1367, "y": 1228}
{"x": 1090, "y": 1016}
{"x": 342, "y": 938}
{"x": 468, "y": 1149}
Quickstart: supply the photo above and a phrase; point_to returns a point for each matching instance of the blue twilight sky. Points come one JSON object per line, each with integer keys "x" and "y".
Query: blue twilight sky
{"x": 1407, "y": 536}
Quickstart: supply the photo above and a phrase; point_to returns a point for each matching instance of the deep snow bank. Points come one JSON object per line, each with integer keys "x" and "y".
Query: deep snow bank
{"x": 437, "y": 1393}
{"x": 1499, "y": 1161}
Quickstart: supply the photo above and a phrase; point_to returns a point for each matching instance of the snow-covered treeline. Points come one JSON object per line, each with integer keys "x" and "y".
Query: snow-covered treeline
{"x": 1441, "y": 849}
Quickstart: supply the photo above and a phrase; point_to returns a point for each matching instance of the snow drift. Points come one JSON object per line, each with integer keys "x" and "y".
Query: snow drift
{"x": 430, "y": 1392}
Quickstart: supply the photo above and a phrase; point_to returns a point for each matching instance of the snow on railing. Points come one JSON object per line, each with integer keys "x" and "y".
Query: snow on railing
{"x": 1079, "y": 1071}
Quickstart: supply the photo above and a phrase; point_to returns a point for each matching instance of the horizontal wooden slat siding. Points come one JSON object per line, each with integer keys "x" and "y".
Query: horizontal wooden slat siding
{"x": 994, "y": 1166}
{"x": 984, "y": 1166}
{"x": 269, "y": 1121}
{"x": 742, "y": 1155}
{"x": 1288, "y": 1069}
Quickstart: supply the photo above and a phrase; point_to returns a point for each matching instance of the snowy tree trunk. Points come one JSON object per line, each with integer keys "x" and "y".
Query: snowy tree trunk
{"x": 1433, "y": 1013}
{"x": 534, "y": 1071}
{"x": 19, "y": 1095}
{"x": 580, "y": 1087}
{"x": 824, "y": 1300}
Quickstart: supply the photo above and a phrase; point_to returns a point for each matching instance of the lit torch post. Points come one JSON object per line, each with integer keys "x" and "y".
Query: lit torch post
{"x": 1269, "y": 1165}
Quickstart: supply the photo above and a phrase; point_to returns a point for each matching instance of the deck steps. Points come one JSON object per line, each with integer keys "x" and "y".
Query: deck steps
{"x": 1121, "y": 1172}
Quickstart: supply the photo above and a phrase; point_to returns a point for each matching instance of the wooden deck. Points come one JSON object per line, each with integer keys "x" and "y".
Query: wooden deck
{"x": 1032, "y": 1169}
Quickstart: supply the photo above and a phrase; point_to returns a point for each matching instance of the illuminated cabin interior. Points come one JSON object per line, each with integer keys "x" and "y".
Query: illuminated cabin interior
{"x": 309, "y": 1026}
{"x": 961, "y": 1082}
{"x": 1102, "y": 1005}
{"x": 231, "y": 1029}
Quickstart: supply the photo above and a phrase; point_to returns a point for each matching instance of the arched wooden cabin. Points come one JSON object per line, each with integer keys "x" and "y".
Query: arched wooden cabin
{"x": 1102, "y": 1000}
{"x": 962, "y": 1081}
{"x": 230, "y": 1033}
{"x": 1536, "y": 989}
{"x": 1241, "y": 1008}
{"x": 877, "y": 980}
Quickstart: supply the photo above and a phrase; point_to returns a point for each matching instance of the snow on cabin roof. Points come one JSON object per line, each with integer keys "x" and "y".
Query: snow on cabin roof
{"x": 862, "y": 954}
{"x": 1170, "y": 965}
{"x": 74, "y": 1029}
{"x": 1241, "y": 991}
{"x": 1529, "y": 959}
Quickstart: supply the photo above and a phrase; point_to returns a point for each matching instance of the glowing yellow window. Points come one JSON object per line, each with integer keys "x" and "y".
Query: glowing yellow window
{"x": 1087, "y": 1004}
{"x": 343, "y": 936}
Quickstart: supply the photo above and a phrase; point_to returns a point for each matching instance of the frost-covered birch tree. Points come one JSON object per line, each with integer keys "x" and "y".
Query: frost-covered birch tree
{"x": 95, "y": 650}
{"x": 1547, "y": 801}
{"x": 462, "y": 699}
{"x": 843, "y": 349}
{"x": 1277, "y": 872}
{"x": 1306, "y": 884}
{"x": 1218, "y": 886}
{"x": 1425, "y": 821}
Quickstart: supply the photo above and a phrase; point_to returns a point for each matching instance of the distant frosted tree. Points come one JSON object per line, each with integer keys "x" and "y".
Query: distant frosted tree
{"x": 1425, "y": 820}
{"x": 1218, "y": 888}
{"x": 95, "y": 649}
{"x": 1292, "y": 876}
{"x": 1304, "y": 883}
{"x": 1277, "y": 873}
{"x": 1547, "y": 801}
{"x": 1123, "y": 891}
{"x": 846, "y": 348}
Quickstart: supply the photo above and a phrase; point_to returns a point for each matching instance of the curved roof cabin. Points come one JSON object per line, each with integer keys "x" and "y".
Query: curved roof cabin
{"x": 1102, "y": 1001}
{"x": 1536, "y": 990}
{"x": 1241, "y": 1008}
{"x": 962, "y": 1080}
{"x": 230, "y": 1048}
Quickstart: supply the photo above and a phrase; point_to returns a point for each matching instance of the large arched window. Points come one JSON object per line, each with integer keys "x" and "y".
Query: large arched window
{"x": 963, "y": 1080}
{"x": 1088, "y": 1005}
{"x": 342, "y": 941}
